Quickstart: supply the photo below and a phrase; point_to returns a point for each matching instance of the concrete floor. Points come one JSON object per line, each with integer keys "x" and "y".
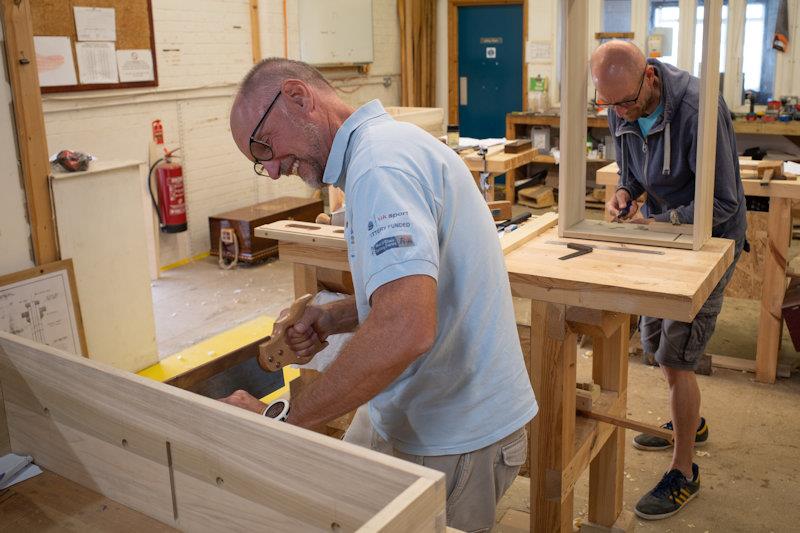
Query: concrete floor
{"x": 196, "y": 301}
{"x": 750, "y": 471}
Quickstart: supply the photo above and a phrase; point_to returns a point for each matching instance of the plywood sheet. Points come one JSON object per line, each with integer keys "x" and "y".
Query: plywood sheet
{"x": 748, "y": 277}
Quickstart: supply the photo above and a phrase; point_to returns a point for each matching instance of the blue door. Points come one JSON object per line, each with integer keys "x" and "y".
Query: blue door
{"x": 489, "y": 68}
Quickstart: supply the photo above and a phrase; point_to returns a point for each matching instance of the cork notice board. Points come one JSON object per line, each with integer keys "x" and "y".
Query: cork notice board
{"x": 134, "y": 26}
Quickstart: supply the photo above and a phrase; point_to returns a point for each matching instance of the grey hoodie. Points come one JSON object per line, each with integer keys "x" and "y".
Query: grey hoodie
{"x": 663, "y": 164}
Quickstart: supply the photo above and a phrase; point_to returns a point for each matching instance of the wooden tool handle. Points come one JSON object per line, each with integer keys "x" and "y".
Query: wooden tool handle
{"x": 274, "y": 353}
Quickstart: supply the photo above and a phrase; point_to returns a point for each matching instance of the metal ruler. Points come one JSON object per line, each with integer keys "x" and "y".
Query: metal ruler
{"x": 612, "y": 248}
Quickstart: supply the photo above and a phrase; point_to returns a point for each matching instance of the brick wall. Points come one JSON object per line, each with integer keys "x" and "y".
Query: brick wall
{"x": 203, "y": 48}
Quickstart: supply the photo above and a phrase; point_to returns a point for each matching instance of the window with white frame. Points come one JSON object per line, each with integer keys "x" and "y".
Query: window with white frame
{"x": 616, "y": 15}
{"x": 698, "y": 37}
{"x": 758, "y": 57}
{"x": 666, "y": 14}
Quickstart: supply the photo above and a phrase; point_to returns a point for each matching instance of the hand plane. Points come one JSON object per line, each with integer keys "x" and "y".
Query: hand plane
{"x": 274, "y": 353}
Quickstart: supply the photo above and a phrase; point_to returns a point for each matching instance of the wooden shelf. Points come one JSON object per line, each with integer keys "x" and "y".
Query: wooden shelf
{"x": 789, "y": 129}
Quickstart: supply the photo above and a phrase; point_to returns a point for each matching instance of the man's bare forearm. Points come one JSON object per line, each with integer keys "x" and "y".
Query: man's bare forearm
{"x": 343, "y": 314}
{"x": 358, "y": 374}
{"x": 400, "y": 327}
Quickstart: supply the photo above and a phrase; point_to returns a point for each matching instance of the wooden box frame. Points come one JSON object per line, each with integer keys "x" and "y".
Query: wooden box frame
{"x": 572, "y": 168}
{"x": 195, "y": 463}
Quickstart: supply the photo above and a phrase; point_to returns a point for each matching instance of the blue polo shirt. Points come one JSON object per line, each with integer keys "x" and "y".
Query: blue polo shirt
{"x": 412, "y": 208}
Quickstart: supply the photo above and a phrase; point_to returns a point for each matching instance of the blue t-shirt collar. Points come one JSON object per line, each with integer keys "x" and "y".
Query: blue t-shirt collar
{"x": 334, "y": 168}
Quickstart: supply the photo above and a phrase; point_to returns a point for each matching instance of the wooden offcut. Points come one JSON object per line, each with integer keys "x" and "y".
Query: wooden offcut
{"x": 537, "y": 197}
{"x": 199, "y": 464}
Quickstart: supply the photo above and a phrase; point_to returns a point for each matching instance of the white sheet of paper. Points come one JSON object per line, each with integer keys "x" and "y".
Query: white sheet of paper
{"x": 26, "y": 473}
{"x": 97, "y": 62}
{"x": 539, "y": 52}
{"x": 54, "y": 61}
{"x": 135, "y": 65}
{"x": 95, "y": 23}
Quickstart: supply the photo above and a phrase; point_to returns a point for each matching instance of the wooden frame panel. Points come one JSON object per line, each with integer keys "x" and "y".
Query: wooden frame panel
{"x": 196, "y": 463}
{"x": 572, "y": 168}
{"x": 452, "y": 51}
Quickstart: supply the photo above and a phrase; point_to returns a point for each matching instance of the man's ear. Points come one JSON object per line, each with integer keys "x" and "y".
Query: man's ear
{"x": 298, "y": 95}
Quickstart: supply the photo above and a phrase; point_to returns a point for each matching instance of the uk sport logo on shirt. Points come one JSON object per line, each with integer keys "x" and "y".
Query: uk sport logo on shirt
{"x": 389, "y": 231}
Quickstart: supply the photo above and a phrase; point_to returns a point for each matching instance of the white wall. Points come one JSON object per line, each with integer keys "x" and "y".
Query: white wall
{"x": 203, "y": 49}
{"x": 15, "y": 251}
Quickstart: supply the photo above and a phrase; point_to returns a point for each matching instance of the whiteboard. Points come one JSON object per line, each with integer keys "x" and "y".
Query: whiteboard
{"x": 335, "y": 32}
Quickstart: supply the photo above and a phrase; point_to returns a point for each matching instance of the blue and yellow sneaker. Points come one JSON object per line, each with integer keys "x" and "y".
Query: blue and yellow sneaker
{"x": 646, "y": 442}
{"x": 670, "y": 495}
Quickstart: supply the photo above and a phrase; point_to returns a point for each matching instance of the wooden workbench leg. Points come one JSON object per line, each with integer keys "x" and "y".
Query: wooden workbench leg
{"x": 305, "y": 280}
{"x": 610, "y": 371}
{"x": 770, "y": 325}
{"x": 511, "y": 180}
{"x": 552, "y": 441}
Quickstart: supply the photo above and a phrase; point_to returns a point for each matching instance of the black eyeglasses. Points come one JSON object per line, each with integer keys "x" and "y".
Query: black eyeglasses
{"x": 263, "y": 151}
{"x": 624, "y": 103}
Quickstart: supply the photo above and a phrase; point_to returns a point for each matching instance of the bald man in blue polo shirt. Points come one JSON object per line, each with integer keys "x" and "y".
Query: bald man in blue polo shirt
{"x": 435, "y": 352}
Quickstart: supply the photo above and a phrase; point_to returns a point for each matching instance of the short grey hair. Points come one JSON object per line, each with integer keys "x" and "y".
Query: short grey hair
{"x": 274, "y": 70}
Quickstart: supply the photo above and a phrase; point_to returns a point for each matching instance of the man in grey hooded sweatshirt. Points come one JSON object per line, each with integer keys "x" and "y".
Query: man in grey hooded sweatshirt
{"x": 653, "y": 115}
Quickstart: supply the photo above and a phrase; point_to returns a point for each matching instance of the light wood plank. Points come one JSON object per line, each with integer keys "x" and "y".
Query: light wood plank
{"x": 303, "y": 232}
{"x": 553, "y": 357}
{"x": 775, "y": 188}
{"x": 533, "y": 228}
{"x": 707, "y": 124}
{"x": 413, "y": 508}
{"x": 29, "y": 120}
{"x": 770, "y": 323}
{"x": 500, "y": 162}
{"x": 309, "y": 254}
{"x": 74, "y": 413}
{"x": 572, "y": 170}
{"x": 601, "y": 230}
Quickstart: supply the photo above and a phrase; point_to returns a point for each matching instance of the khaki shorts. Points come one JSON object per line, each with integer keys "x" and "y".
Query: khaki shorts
{"x": 475, "y": 481}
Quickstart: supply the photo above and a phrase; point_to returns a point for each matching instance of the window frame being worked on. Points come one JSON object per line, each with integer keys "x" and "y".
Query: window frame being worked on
{"x": 572, "y": 222}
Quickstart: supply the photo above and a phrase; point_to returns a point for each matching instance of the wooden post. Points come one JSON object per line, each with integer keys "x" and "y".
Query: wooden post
{"x": 31, "y": 139}
{"x": 572, "y": 164}
{"x": 255, "y": 31}
{"x": 770, "y": 323}
{"x": 707, "y": 125}
{"x": 610, "y": 371}
{"x": 305, "y": 280}
{"x": 552, "y": 440}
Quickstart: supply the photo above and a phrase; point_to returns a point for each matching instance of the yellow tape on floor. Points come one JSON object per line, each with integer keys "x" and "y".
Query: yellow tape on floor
{"x": 215, "y": 347}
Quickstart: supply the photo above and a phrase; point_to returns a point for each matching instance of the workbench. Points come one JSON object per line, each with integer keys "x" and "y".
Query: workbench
{"x": 594, "y": 294}
{"x": 497, "y": 163}
{"x": 779, "y": 234}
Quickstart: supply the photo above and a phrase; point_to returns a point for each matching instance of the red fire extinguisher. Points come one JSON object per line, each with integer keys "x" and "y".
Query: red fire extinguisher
{"x": 171, "y": 204}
